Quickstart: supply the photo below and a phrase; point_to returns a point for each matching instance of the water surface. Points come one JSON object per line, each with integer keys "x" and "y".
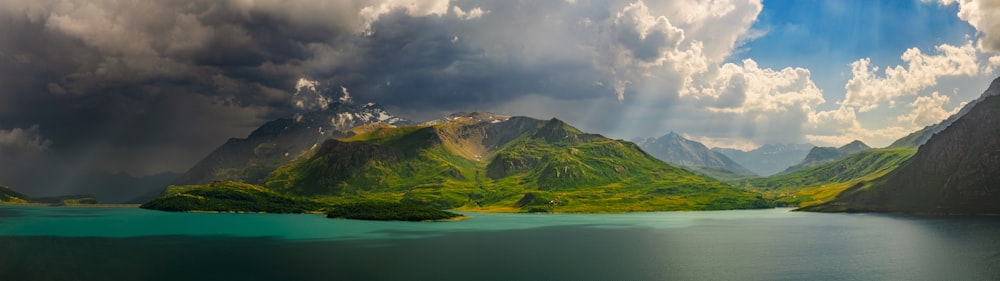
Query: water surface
{"x": 49, "y": 243}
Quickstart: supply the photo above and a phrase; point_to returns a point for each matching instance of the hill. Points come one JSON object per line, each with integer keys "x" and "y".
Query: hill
{"x": 694, "y": 156}
{"x": 489, "y": 162}
{"x": 281, "y": 141}
{"x": 820, "y": 183}
{"x": 8, "y": 195}
{"x": 955, "y": 172}
{"x": 228, "y": 196}
{"x": 821, "y": 155}
{"x": 768, "y": 159}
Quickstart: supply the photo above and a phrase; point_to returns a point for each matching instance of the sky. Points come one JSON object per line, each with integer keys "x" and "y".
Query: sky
{"x": 144, "y": 87}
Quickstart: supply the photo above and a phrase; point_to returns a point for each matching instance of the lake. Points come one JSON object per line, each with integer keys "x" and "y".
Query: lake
{"x": 64, "y": 243}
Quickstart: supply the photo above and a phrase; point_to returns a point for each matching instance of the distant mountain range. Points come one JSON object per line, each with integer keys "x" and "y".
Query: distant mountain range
{"x": 768, "y": 159}
{"x": 822, "y": 155}
{"x": 694, "y": 156}
{"x": 8, "y": 195}
{"x": 956, "y": 171}
{"x": 821, "y": 183}
{"x": 281, "y": 141}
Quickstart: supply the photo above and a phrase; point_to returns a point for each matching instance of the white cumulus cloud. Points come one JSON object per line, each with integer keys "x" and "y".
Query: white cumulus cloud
{"x": 929, "y": 110}
{"x": 867, "y": 89}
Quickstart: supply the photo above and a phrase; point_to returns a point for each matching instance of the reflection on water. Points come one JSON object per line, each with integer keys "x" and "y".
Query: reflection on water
{"x": 729, "y": 245}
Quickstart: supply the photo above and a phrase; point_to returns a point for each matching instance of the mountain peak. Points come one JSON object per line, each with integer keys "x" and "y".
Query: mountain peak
{"x": 469, "y": 118}
{"x": 672, "y": 135}
{"x": 853, "y": 147}
{"x": 993, "y": 90}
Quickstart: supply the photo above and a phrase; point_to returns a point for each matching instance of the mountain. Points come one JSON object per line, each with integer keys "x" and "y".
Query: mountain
{"x": 820, "y": 183}
{"x": 918, "y": 138}
{"x": 821, "y": 155}
{"x": 694, "y": 156}
{"x": 955, "y": 172}
{"x": 227, "y": 196}
{"x": 8, "y": 195}
{"x": 281, "y": 141}
{"x": 496, "y": 163}
{"x": 768, "y": 159}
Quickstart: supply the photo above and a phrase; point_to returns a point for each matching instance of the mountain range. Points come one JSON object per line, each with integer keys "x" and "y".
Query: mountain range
{"x": 694, "y": 156}
{"x": 955, "y": 172}
{"x": 281, "y": 141}
{"x": 489, "y": 162}
{"x": 768, "y": 159}
{"x": 820, "y": 155}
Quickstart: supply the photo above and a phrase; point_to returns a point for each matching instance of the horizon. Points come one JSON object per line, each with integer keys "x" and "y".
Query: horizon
{"x": 152, "y": 87}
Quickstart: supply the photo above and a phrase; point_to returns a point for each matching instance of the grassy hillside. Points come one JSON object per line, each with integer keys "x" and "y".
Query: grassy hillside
{"x": 388, "y": 211}
{"x": 955, "y": 172}
{"x": 509, "y": 165}
{"x": 8, "y": 195}
{"x": 227, "y": 196}
{"x": 822, "y": 183}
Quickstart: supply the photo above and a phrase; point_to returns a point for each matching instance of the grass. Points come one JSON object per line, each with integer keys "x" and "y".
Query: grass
{"x": 227, "y": 196}
{"x": 822, "y": 183}
{"x": 388, "y": 211}
{"x": 573, "y": 171}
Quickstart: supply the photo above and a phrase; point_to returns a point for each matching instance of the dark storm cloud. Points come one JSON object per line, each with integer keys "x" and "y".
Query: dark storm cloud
{"x": 148, "y": 86}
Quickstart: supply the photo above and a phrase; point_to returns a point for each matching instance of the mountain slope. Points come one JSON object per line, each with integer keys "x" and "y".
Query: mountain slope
{"x": 227, "y": 196}
{"x": 955, "y": 172}
{"x": 768, "y": 159}
{"x": 281, "y": 141}
{"x": 918, "y": 138}
{"x": 821, "y": 155}
{"x": 8, "y": 195}
{"x": 677, "y": 150}
{"x": 822, "y": 182}
{"x": 488, "y": 162}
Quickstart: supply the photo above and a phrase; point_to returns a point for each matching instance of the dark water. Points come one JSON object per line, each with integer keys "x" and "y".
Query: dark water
{"x": 41, "y": 243}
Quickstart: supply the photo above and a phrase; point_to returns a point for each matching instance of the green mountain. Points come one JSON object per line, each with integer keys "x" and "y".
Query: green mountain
{"x": 693, "y": 156}
{"x": 228, "y": 196}
{"x": 817, "y": 184}
{"x": 820, "y": 155}
{"x": 281, "y": 141}
{"x": 955, "y": 172}
{"x": 8, "y": 195}
{"x": 489, "y": 162}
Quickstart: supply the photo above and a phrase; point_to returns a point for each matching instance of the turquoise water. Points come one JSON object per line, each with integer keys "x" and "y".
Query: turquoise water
{"x": 60, "y": 243}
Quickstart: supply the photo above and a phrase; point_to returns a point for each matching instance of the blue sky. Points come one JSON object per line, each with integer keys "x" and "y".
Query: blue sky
{"x": 825, "y": 36}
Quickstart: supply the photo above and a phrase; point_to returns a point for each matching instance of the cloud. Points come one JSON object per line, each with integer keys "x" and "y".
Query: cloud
{"x": 155, "y": 85}
{"x": 308, "y": 98}
{"x": 22, "y": 141}
{"x": 928, "y": 110}
{"x": 474, "y": 13}
{"x": 21, "y": 149}
{"x": 867, "y": 89}
{"x": 416, "y": 8}
{"x": 984, "y": 15}
{"x": 841, "y": 126}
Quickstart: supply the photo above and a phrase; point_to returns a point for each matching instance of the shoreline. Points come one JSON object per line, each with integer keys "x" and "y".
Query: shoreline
{"x": 71, "y": 205}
